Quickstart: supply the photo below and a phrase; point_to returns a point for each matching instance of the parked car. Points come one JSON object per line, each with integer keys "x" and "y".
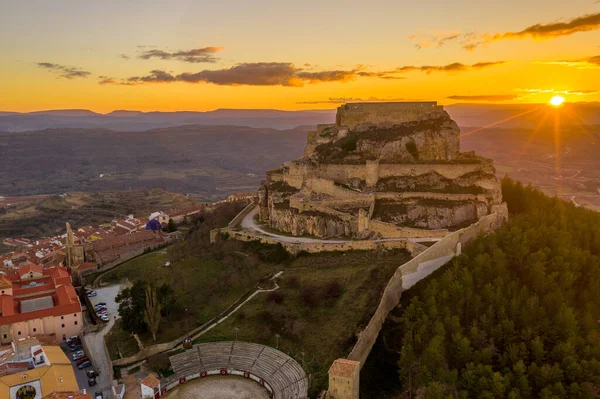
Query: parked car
{"x": 91, "y": 373}
{"x": 100, "y": 307}
{"x": 75, "y": 348}
{"x": 83, "y": 365}
{"x": 104, "y": 318}
{"x": 92, "y": 381}
{"x": 74, "y": 343}
{"x": 73, "y": 338}
{"x": 91, "y": 293}
{"x": 78, "y": 355}
{"x": 101, "y": 303}
{"x": 83, "y": 360}
{"x": 98, "y": 395}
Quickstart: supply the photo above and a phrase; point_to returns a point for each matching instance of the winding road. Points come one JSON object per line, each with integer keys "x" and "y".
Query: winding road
{"x": 250, "y": 223}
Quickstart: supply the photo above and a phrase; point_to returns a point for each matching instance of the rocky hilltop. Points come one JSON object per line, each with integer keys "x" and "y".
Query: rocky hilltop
{"x": 383, "y": 170}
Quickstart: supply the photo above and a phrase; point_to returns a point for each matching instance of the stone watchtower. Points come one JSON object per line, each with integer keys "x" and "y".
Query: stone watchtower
{"x": 344, "y": 379}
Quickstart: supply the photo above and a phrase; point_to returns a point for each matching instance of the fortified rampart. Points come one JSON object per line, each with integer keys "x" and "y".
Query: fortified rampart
{"x": 355, "y": 116}
{"x": 417, "y": 269}
{"x": 381, "y": 169}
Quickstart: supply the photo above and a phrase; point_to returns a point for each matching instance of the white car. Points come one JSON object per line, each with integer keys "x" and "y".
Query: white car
{"x": 78, "y": 355}
{"x": 91, "y": 293}
{"x": 104, "y": 318}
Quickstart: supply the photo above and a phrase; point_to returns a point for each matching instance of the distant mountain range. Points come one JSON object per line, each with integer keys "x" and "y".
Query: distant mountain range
{"x": 138, "y": 121}
{"x": 466, "y": 115}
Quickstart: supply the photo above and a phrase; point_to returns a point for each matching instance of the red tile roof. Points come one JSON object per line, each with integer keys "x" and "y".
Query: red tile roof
{"x": 64, "y": 297}
{"x": 30, "y": 268}
{"x": 151, "y": 381}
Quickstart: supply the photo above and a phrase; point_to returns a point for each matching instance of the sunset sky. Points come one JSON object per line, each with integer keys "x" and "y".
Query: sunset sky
{"x": 204, "y": 55}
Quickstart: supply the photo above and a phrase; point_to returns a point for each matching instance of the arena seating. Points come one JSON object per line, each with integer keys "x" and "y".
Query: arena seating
{"x": 282, "y": 373}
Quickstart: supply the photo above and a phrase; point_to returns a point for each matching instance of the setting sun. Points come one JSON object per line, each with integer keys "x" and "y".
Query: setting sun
{"x": 557, "y": 101}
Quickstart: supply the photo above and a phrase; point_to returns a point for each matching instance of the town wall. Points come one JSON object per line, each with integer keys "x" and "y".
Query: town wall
{"x": 451, "y": 171}
{"x": 416, "y": 269}
{"x": 324, "y": 245}
{"x": 429, "y": 195}
{"x": 372, "y": 173}
{"x": 240, "y": 216}
{"x": 297, "y": 172}
{"x": 323, "y": 186}
{"x": 358, "y": 201}
{"x": 388, "y": 230}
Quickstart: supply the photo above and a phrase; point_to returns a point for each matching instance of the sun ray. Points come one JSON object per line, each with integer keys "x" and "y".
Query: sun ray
{"x": 500, "y": 122}
{"x": 533, "y": 134}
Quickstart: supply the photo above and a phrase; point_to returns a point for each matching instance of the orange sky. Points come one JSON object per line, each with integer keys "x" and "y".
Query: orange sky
{"x": 264, "y": 54}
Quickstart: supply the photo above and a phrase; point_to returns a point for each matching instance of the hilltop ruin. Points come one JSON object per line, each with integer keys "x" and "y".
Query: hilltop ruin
{"x": 383, "y": 170}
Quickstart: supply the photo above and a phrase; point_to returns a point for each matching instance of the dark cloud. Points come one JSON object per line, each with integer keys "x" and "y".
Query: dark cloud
{"x": 380, "y": 75}
{"x": 343, "y": 100}
{"x": 481, "y": 65}
{"x": 470, "y": 41}
{"x": 485, "y": 97}
{"x": 252, "y": 74}
{"x": 454, "y": 67}
{"x": 197, "y": 55}
{"x": 64, "y": 71}
{"x": 584, "y": 23}
{"x": 257, "y": 74}
{"x": 124, "y": 56}
{"x": 435, "y": 39}
{"x": 155, "y": 76}
{"x": 581, "y": 63}
{"x": 582, "y": 92}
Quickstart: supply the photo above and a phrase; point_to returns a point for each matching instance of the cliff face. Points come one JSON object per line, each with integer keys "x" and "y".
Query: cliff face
{"x": 395, "y": 166}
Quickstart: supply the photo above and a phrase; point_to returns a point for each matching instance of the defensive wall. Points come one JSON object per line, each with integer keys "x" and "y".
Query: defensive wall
{"x": 295, "y": 173}
{"x": 417, "y": 269}
{"x": 240, "y": 216}
{"x": 355, "y": 115}
{"x": 322, "y": 245}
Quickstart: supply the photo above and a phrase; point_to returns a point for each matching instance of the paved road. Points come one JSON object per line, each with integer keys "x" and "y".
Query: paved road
{"x": 94, "y": 342}
{"x": 80, "y": 375}
{"x": 95, "y": 350}
{"x": 250, "y": 223}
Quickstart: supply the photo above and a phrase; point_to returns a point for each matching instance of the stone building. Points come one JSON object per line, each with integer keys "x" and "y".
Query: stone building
{"x": 383, "y": 170}
{"x": 36, "y": 301}
{"x": 344, "y": 379}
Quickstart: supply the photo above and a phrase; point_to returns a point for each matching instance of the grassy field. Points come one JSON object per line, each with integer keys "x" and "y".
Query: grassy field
{"x": 322, "y": 303}
{"x": 204, "y": 286}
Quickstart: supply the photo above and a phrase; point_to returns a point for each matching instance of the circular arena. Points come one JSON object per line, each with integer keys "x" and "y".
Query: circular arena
{"x": 279, "y": 374}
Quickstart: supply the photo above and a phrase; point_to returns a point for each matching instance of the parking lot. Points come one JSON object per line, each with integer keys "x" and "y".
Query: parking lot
{"x": 82, "y": 379}
{"x": 107, "y": 295}
{"x": 94, "y": 342}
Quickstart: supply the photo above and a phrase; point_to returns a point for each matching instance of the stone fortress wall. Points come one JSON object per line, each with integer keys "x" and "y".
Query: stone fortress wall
{"x": 417, "y": 269}
{"x": 383, "y": 170}
{"x": 354, "y": 115}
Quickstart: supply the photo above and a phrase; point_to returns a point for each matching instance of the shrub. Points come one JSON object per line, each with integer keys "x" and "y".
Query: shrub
{"x": 292, "y": 282}
{"x": 275, "y": 297}
{"x": 332, "y": 291}
{"x": 411, "y": 147}
{"x": 348, "y": 143}
{"x": 309, "y": 297}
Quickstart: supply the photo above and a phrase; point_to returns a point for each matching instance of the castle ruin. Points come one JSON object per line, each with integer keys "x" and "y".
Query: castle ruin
{"x": 383, "y": 170}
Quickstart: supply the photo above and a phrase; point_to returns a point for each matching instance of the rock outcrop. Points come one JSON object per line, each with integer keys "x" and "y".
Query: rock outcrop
{"x": 382, "y": 170}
